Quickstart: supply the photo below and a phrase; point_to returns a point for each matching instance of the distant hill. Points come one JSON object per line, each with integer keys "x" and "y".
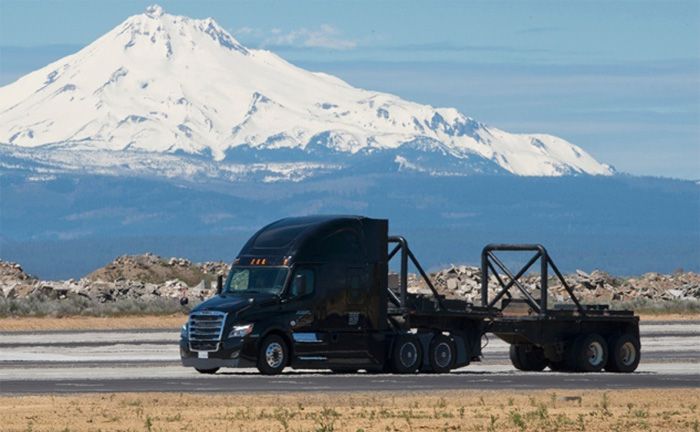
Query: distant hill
{"x": 69, "y": 226}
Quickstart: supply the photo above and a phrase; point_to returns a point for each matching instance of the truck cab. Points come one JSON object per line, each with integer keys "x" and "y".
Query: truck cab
{"x": 306, "y": 292}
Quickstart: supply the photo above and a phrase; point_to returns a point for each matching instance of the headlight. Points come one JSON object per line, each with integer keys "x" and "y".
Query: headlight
{"x": 240, "y": 330}
{"x": 183, "y": 330}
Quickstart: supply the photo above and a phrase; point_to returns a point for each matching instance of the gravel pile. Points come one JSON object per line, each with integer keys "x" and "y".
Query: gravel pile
{"x": 136, "y": 277}
{"x": 143, "y": 278}
{"x": 597, "y": 287}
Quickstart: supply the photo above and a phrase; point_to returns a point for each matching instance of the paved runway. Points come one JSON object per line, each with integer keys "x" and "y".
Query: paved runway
{"x": 147, "y": 360}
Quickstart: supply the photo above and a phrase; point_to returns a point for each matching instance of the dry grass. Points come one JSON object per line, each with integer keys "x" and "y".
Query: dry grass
{"x": 669, "y": 317}
{"x": 92, "y": 323}
{"x": 624, "y": 410}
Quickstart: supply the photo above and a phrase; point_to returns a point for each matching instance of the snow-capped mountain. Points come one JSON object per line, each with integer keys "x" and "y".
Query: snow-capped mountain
{"x": 175, "y": 96}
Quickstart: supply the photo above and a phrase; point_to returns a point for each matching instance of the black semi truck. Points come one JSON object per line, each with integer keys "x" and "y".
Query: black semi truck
{"x": 313, "y": 293}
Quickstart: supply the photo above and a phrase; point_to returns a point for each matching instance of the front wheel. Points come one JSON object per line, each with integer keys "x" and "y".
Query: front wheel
{"x": 207, "y": 371}
{"x": 273, "y": 355}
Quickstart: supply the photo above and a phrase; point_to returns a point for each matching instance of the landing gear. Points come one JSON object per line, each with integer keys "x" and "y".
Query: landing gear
{"x": 527, "y": 357}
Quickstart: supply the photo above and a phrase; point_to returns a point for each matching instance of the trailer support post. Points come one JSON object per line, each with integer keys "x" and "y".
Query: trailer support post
{"x": 404, "y": 272}
{"x": 544, "y": 282}
{"x": 484, "y": 278}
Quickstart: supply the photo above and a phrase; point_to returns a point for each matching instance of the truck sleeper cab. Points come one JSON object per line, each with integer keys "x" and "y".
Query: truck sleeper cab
{"x": 312, "y": 293}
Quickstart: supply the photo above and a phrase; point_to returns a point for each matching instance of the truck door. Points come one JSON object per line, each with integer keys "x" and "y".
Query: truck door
{"x": 311, "y": 342}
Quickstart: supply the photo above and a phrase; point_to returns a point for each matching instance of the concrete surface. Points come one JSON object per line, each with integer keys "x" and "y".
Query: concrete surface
{"x": 147, "y": 360}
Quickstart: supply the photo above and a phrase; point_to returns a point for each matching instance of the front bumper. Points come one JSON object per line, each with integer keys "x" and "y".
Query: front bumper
{"x": 211, "y": 363}
{"x": 237, "y": 352}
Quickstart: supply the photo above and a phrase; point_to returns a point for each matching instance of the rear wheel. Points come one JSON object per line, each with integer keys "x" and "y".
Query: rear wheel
{"x": 589, "y": 353}
{"x": 207, "y": 371}
{"x": 407, "y": 354}
{"x": 528, "y": 358}
{"x": 273, "y": 355}
{"x": 442, "y": 354}
{"x": 623, "y": 353}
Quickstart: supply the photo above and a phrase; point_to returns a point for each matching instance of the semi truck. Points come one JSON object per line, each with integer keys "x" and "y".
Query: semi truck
{"x": 313, "y": 293}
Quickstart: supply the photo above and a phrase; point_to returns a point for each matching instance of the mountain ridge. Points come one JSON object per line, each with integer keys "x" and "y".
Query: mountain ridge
{"x": 165, "y": 84}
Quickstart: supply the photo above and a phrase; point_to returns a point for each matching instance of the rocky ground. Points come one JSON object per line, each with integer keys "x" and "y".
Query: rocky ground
{"x": 148, "y": 283}
{"x": 129, "y": 284}
{"x": 595, "y": 287}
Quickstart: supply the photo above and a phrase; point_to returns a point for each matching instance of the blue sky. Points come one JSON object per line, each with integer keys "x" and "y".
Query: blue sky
{"x": 620, "y": 79}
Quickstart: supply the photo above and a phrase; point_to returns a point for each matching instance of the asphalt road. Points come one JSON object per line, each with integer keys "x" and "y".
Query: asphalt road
{"x": 143, "y": 360}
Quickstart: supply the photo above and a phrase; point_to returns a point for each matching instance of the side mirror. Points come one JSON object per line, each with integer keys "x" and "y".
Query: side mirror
{"x": 219, "y": 284}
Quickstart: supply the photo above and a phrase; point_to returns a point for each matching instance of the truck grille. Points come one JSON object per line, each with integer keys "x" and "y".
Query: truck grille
{"x": 205, "y": 330}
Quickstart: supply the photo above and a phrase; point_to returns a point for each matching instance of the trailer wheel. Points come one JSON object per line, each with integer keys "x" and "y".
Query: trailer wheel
{"x": 407, "y": 354}
{"x": 527, "y": 358}
{"x": 624, "y": 353}
{"x": 207, "y": 371}
{"x": 442, "y": 354}
{"x": 273, "y": 355}
{"x": 589, "y": 353}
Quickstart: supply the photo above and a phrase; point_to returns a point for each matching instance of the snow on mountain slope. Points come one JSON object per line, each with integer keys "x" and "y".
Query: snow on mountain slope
{"x": 170, "y": 84}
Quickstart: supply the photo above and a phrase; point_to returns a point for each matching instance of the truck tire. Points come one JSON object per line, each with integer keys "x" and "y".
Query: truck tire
{"x": 623, "y": 353}
{"x": 442, "y": 354}
{"x": 527, "y": 358}
{"x": 273, "y": 355}
{"x": 407, "y": 354}
{"x": 207, "y": 371}
{"x": 589, "y": 353}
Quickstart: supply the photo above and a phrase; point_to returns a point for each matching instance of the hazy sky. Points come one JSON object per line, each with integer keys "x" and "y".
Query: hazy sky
{"x": 620, "y": 79}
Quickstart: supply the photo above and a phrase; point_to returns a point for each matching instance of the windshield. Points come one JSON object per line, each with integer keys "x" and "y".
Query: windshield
{"x": 256, "y": 280}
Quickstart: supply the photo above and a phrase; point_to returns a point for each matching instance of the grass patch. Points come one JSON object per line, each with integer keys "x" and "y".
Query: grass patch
{"x": 596, "y": 411}
{"x": 37, "y": 306}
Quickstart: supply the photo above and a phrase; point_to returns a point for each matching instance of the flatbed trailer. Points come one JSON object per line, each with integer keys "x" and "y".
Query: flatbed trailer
{"x": 313, "y": 293}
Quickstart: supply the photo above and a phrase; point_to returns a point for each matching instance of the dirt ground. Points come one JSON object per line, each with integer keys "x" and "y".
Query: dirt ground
{"x": 167, "y": 322}
{"x": 92, "y": 323}
{"x": 554, "y": 410}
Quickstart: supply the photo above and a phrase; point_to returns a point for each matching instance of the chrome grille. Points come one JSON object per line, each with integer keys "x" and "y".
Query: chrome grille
{"x": 205, "y": 330}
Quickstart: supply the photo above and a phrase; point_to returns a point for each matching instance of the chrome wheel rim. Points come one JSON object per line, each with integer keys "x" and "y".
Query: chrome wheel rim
{"x": 595, "y": 353}
{"x": 628, "y": 353}
{"x": 443, "y": 354}
{"x": 408, "y": 354}
{"x": 274, "y": 355}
